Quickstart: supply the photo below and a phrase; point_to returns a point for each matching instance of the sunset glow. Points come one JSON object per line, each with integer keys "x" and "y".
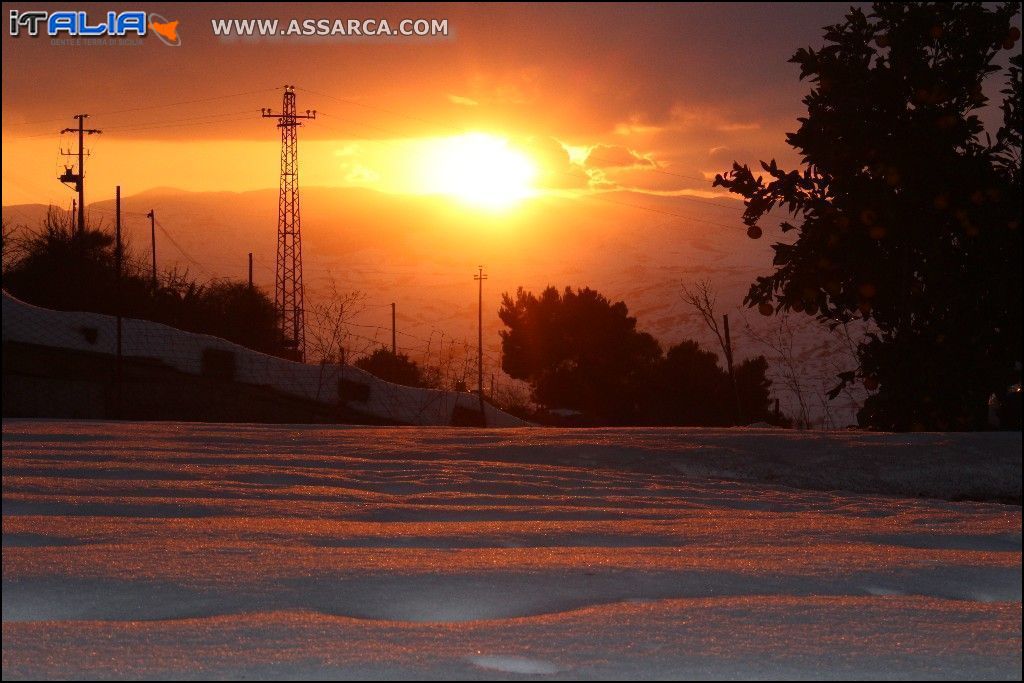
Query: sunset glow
{"x": 511, "y": 341}
{"x": 479, "y": 169}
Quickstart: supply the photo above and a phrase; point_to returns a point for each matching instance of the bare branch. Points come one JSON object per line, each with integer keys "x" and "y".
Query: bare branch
{"x": 702, "y": 296}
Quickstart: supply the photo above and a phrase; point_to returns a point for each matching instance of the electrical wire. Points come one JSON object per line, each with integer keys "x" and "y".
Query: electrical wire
{"x": 177, "y": 103}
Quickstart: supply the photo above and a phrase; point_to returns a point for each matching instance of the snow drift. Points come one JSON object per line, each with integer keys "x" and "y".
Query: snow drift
{"x": 199, "y": 551}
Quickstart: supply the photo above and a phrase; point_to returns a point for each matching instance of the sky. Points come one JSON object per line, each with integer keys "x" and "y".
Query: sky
{"x": 556, "y": 144}
{"x": 648, "y": 98}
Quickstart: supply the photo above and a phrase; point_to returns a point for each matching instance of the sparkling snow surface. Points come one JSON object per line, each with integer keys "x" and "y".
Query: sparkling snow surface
{"x": 167, "y": 550}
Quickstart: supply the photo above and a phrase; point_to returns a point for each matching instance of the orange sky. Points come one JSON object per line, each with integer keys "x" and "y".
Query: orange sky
{"x": 664, "y": 95}
{"x": 646, "y": 102}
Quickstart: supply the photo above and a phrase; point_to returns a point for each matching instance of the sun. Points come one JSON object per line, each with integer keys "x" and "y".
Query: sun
{"x": 479, "y": 169}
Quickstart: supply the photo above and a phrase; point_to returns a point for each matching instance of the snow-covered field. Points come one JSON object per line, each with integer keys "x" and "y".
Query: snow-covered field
{"x": 163, "y": 550}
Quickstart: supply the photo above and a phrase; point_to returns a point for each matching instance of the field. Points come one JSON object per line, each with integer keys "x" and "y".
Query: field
{"x": 163, "y": 550}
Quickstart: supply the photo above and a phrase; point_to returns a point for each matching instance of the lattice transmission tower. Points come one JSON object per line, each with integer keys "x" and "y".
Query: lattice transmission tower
{"x": 288, "y": 293}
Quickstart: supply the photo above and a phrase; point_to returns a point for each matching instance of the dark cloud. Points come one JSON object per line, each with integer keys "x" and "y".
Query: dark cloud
{"x": 540, "y": 68}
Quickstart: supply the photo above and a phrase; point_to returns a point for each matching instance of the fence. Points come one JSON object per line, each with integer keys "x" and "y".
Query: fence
{"x": 152, "y": 351}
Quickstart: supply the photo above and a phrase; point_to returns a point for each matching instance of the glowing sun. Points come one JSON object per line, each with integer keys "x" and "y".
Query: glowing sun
{"x": 480, "y": 169}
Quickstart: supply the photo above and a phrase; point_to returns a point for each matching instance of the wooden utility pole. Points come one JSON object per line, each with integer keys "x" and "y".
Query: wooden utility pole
{"x": 118, "y": 369}
{"x": 250, "y": 270}
{"x": 732, "y": 376}
{"x": 394, "y": 344}
{"x": 152, "y": 238}
{"x": 78, "y": 179}
{"x": 480, "y": 277}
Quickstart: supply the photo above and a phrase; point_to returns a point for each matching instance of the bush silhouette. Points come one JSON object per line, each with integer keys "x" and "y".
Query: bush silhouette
{"x": 61, "y": 268}
{"x": 397, "y": 368}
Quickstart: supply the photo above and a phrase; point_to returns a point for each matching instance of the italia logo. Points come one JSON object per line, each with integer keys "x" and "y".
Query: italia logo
{"x": 165, "y": 29}
{"x": 78, "y": 24}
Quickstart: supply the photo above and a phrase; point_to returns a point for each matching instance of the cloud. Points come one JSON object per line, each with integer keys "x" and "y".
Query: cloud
{"x": 464, "y": 101}
{"x": 722, "y": 157}
{"x": 599, "y": 182}
{"x": 616, "y": 156}
{"x": 634, "y": 128}
{"x": 555, "y": 168}
{"x": 678, "y": 117}
{"x": 689, "y": 192}
{"x": 734, "y": 127}
{"x": 358, "y": 174}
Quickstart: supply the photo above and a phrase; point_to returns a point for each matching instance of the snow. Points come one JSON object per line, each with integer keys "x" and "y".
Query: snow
{"x": 164, "y": 550}
{"x": 183, "y": 351}
{"x": 514, "y": 665}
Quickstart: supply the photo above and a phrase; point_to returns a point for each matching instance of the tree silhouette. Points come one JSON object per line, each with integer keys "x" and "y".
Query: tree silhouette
{"x": 58, "y": 267}
{"x": 65, "y": 269}
{"x": 906, "y": 213}
{"x": 578, "y": 351}
{"x": 753, "y": 386}
{"x": 397, "y": 368}
{"x": 240, "y": 313}
{"x": 691, "y": 389}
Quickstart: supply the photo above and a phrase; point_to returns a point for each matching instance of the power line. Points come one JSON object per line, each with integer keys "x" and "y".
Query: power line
{"x": 599, "y": 196}
{"x": 155, "y": 106}
{"x": 187, "y": 119}
{"x": 180, "y": 249}
{"x": 173, "y": 123}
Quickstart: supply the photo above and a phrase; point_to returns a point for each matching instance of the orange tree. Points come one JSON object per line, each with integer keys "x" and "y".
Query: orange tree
{"x": 906, "y": 210}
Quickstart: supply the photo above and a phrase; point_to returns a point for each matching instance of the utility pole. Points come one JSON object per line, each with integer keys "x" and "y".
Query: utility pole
{"x": 394, "y": 345}
{"x": 250, "y": 270}
{"x": 480, "y": 277}
{"x": 728, "y": 361}
{"x": 152, "y": 238}
{"x": 288, "y": 292}
{"x": 78, "y": 179}
{"x": 118, "y": 370}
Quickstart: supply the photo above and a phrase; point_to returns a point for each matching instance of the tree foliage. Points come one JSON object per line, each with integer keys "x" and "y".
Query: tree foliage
{"x": 58, "y": 267}
{"x": 906, "y": 213}
{"x": 580, "y": 351}
{"x": 394, "y": 367}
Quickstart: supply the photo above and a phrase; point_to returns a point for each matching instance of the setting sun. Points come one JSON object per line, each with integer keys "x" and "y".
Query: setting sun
{"x": 479, "y": 169}
{"x": 466, "y": 341}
